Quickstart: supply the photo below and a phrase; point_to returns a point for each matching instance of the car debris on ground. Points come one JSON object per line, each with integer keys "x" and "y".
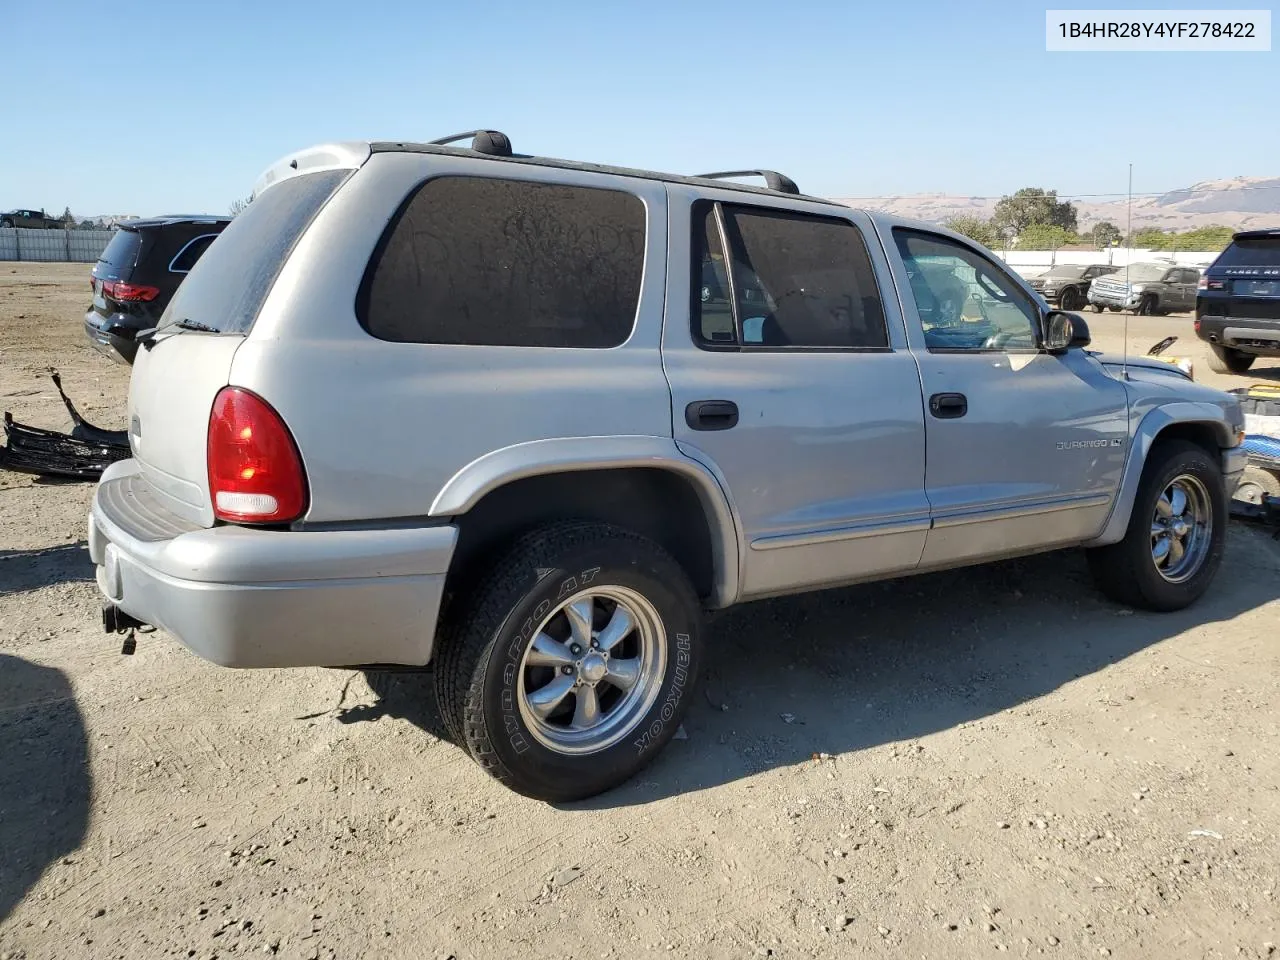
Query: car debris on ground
{"x": 80, "y": 455}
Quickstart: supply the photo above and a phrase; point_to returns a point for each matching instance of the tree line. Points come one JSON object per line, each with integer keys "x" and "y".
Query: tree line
{"x": 1035, "y": 219}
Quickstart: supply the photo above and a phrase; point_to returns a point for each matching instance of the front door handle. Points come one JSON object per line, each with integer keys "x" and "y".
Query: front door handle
{"x": 711, "y": 415}
{"x": 948, "y": 406}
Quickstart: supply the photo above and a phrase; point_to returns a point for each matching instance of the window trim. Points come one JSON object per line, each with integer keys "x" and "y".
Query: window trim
{"x": 364, "y": 291}
{"x": 740, "y": 346}
{"x": 177, "y": 255}
{"x": 1037, "y": 329}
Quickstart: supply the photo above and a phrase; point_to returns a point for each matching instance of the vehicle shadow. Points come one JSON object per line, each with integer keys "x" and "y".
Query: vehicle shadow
{"x": 44, "y": 775}
{"x": 1262, "y": 373}
{"x": 23, "y": 570}
{"x": 850, "y": 669}
{"x": 845, "y": 670}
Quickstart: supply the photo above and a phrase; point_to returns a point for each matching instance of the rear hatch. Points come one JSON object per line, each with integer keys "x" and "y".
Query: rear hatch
{"x": 115, "y": 266}
{"x": 1245, "y": 279}
{"x": 188, "y": 360}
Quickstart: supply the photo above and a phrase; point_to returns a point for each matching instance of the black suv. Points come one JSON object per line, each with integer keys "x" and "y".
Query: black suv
{"x": 137, "y": 275}
{"x": 1067, "y": 284}
{"x": 1238, "y": 302}
{"x": 30, "y": 219}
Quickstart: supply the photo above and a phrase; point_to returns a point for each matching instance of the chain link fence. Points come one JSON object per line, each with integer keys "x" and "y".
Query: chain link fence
{"x": 58, "y": 246}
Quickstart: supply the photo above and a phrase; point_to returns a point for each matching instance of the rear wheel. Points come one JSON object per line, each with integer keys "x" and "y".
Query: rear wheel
{"x": 1225, "y": 360}
{"x": 1176, "y": 534}
{"x": 569, "y": 667}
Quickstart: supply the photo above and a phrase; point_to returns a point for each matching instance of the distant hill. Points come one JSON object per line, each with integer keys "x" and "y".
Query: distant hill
{"x": 1238, "y": 202}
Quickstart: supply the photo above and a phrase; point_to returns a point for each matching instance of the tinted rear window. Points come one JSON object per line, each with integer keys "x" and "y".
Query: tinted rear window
{"x": 229, "y": 283}
{"x": 473, "y": 260}
{"x": 122, "y": 250}
{"x": 1263, "y": 252}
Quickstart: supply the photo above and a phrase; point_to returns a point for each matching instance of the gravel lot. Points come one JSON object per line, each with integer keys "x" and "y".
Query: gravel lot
{"x": 993, "y": 760}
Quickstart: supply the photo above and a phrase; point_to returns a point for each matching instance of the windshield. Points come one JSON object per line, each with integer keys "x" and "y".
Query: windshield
{"x": 1069, "y": 270}
{"x": 229, "y": 284}
{"x": 1259, "y": 252}
{"x": 1143, "y": 272}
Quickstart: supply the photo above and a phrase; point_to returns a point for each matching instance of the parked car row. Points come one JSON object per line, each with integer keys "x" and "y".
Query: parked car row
{"x": 1236, "y": 299}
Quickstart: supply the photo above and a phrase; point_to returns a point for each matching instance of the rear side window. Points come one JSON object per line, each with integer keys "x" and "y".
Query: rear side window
{"x": 797, "y": 281}
{"x": 1259, "y": 252}
{"x": 474, "y": 260}
{"x": 122, "y": 250}
{"x": 193, "y": 251}
{"x": 231, "y": 281}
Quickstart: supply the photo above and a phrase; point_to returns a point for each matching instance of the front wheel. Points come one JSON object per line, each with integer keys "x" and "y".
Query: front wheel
{"x": 1176, "y": 535}
{"x": 1146, "y": 306}
{"x": 569, "y": 667}
{"x": 1070, "y": 299}
{"x": 1097, "y": 307}
{"x": 1225, "y": 360}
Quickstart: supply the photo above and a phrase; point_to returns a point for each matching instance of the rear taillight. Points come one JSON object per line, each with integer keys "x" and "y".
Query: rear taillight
{"x": 255, "y": 471}
{"x": 129, "y": 292}
{"x": 1208, "y": 284}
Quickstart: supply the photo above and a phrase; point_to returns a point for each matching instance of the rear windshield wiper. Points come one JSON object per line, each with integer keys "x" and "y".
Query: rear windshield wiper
{"x": 147, "y": 337}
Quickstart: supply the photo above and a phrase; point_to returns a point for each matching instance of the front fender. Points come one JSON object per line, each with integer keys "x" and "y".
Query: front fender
{"x": 534, "y": 458}
{"x": 1149, "y": 429}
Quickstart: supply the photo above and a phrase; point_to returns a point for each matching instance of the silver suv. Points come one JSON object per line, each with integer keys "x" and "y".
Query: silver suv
{"x": 526, "y": 420}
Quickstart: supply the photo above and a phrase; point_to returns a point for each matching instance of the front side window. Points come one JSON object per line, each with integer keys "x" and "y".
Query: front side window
{"x": 478, "y": 260}
{"x": 776, "y": 279}
{"x": 964, "y": 300}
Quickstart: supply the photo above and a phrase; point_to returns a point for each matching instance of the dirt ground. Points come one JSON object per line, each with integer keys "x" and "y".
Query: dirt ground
{"x": 963, "y": 764}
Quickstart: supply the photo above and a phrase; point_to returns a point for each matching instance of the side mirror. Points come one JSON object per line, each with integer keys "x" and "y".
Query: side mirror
{"x": 1063, "y": 330}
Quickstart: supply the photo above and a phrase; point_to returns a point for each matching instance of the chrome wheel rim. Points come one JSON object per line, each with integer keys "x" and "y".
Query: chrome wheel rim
{"x": 592, "y": 670}
{"x": 1181, "y": 529}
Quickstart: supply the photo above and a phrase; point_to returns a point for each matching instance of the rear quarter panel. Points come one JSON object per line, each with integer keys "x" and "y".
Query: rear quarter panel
{"x": 382, "y": 426}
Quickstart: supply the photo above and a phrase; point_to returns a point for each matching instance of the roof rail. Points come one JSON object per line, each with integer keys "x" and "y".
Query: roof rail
{"x": 772, "y": 179}
{"x": 495, "y": 143}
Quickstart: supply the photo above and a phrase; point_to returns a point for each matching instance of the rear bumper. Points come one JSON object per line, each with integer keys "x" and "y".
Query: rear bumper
{"x": 242, "y": 597}
{"x": 112, "y": 336}
{"x": 1250, "y": 335}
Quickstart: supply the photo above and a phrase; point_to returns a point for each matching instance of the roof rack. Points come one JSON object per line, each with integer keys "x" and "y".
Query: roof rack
{"x": 494, "y": 143}
{"x": 772, "y": 179}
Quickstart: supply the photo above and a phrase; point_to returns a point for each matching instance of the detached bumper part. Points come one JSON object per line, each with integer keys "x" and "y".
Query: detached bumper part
{"x": 82, "y": 454}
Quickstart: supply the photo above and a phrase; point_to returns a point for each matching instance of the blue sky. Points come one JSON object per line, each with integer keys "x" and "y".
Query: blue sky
{"x": 148, "y": 107}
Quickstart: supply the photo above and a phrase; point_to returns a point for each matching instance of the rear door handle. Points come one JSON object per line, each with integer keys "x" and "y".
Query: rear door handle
{"x": 948, "y": 406}
{"x": 711, "y": 415}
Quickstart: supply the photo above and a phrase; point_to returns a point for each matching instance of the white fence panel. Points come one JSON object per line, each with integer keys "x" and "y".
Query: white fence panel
{"x": 53, "y": 246}
{"x": 1029, "y": 263}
